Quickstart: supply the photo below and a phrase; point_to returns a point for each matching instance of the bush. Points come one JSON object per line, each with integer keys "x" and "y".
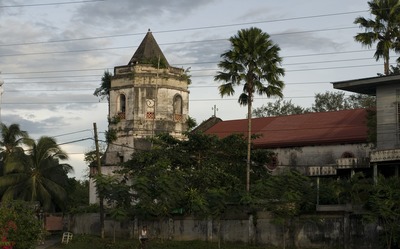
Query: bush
{"x": 19, "y": 226}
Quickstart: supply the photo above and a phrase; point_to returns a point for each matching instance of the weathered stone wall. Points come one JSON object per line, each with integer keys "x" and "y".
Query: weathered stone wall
{"x": 313, "y": 231}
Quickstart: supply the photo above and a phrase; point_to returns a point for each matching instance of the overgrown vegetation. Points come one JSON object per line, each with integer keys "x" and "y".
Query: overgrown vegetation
{"x": 84, "y": 242}
{"x": 111, "y": 135}
{"x": 323, "y": 102}
{"x": 35, "y": 174}
{"x": 20, "y": 227}
{"x": 204, "y": 176}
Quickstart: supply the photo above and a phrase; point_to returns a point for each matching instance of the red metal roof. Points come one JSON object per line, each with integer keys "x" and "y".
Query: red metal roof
{"x": 338, "y": 127}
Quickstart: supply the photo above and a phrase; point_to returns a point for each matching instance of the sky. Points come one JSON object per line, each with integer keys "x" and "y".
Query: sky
{"x": 54, "y": 52}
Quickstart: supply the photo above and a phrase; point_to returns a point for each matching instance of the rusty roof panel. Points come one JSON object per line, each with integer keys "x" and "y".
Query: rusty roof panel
{"x": 347, "y": 126}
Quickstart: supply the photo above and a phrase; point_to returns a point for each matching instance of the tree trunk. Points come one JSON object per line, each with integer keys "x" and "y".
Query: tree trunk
{"x": 248, "y": 161}
{"x": 386, "y": 65}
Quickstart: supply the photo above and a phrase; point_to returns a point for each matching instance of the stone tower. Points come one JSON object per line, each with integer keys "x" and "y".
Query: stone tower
{"x": 147, "y": 97}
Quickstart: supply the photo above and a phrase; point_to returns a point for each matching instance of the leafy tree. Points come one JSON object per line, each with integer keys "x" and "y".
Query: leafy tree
{"x": 382, "y": 30}
{"x": 361, "y": 101}
{"x": 191, "y": 123}
{"x": 201, "y": 175}
{"x": 335, "y": 101}
{"x": 360, "y": 189}
{"x": 117, "y": 195}
{"x": 18, "y": 222}
{"x": 278, "y": 108}
{"x": 90, "y": 157}
{"x": 156, "y": 182}
{"x": 254, "y": 61}
{"x": 330, "y": 101}
{"x": 323, "y": 102}
{"x": 287, "y": 196}
{"x": 384, "y": 208}
{"x": 78, "y": 193}
{"x": 37, "y": 176}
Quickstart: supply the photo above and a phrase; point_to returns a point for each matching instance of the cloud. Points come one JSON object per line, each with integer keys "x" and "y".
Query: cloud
{"x": 294, "y": 39}
{"x": 128, "y": 13}
{"x": 34, "y": 127}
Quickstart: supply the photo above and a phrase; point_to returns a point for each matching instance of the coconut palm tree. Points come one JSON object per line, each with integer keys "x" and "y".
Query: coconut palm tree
{"x": 12, "y": 137}
{"x": 37, "y": 175}
{"x": 382, "y": 30}
{"x": 11, "y": 140}
{"x": 253, "y": 61}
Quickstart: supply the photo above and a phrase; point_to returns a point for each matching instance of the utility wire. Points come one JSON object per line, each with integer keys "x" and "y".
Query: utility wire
{"x": 75, "y": 141}
{"x": 192, "y": 63}
{"x": 71, "y": 133}
{"x": 189, "y": 29}
{"x": 160, "y": 44}
{"x": 103, "y": 102}
{"x": 48, "y": 4}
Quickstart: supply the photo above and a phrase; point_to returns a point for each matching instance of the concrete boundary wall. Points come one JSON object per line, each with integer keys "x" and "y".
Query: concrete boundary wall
{"x": 313, "y": 231}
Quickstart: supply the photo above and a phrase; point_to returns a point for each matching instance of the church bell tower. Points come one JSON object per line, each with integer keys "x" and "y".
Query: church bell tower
{"x": 147, "y": 97}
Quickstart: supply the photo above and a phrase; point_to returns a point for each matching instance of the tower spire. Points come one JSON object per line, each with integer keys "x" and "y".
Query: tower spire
{"x": 148, "y": 52}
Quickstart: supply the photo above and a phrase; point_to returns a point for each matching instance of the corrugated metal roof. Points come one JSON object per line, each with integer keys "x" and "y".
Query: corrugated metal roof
{"x": 338, "y": 127}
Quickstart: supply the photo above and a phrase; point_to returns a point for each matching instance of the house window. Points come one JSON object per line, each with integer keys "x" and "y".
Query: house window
{"x": 121, "y": 106}
{"x": 178, "y": 108}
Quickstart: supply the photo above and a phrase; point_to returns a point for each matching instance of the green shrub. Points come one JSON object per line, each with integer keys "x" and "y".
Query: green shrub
{"x": 20, "y": 225}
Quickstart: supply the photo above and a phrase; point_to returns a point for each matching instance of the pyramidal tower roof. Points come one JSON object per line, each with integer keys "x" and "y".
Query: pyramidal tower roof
{"x": 148, "y": 52}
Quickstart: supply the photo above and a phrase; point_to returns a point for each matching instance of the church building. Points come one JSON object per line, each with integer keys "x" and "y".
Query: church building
{"x": 147, "y": 97}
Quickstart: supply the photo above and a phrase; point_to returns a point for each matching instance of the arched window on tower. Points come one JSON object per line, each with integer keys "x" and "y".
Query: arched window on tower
{"x": 121, "y": 106}
{"x": 178, "y": 108}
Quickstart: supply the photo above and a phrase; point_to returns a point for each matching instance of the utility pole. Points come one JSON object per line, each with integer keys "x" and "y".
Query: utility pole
{"x": 100, "y": 193}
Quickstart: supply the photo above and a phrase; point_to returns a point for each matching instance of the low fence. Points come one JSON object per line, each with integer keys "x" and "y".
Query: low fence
{"x": 339, "y": 230}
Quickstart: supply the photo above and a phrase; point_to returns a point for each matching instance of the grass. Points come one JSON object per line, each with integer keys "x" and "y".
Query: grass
{"x": 93, "y": 242}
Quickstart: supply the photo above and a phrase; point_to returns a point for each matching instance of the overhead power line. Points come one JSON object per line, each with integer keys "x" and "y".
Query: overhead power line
{"x": 48, "y": 4}
{"x": 103, "y": 102}
{"x": 183, "y": 29}
{"x": 75, "y": 141}
{"x": 160, "y": 44}
{"x": 193, "y": 63}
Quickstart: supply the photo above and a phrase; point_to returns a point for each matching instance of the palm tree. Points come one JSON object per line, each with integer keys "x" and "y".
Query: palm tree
{"x": 38, "y": 175}
{"x": 11, "y": 139}
{"x": 253, "y": 60}
{"x": 383, "y": 30}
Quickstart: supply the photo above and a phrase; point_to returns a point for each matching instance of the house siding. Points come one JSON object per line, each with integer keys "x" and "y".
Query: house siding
{"x": 387, "y": 129}
{"x": 302, "y": 158}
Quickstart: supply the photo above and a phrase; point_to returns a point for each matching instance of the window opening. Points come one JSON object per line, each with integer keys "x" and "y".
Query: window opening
{"x": 122, "y": 106}
{"x": 178, "y": 108}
